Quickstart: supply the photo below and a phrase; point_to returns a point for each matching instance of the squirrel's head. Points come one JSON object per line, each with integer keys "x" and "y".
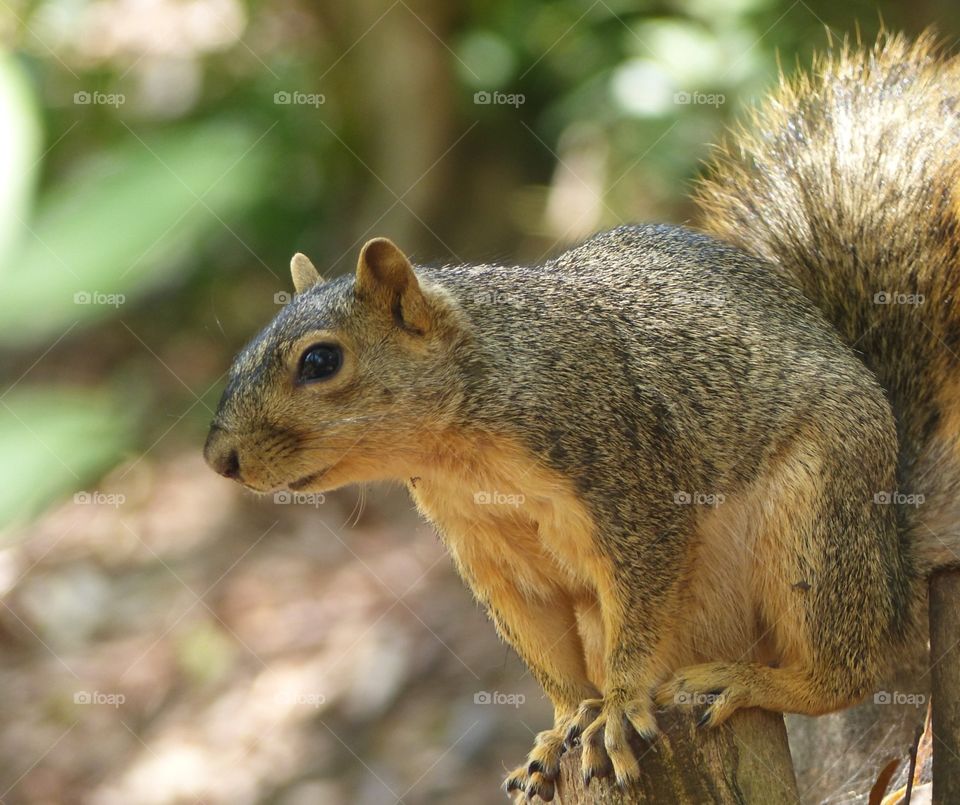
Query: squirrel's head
{"x": 350, "y": 382}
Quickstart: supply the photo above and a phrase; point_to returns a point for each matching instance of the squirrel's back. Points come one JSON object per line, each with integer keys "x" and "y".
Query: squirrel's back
{"x": 682, "y": 338}
{"x": 847, "y": 181}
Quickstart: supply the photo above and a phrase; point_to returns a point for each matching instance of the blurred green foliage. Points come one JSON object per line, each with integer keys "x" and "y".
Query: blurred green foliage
{"x": 161, "y": 162}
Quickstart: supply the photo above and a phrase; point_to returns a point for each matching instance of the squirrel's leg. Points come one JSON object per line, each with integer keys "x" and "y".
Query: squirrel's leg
{"x": 832, "y": 633}
{"x": 724, "y": 688}
{"x": 544, "y": 634}
{"x": 836, "y": 657}
{"x": 634, "y": 635}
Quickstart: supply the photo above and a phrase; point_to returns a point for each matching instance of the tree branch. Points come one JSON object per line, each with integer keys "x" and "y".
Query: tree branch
{"x": 945, "y": 684}
{"x": 745, "y": 761}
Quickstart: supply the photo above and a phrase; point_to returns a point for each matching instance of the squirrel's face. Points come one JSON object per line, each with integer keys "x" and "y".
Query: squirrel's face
{"x": 350, "y": 382}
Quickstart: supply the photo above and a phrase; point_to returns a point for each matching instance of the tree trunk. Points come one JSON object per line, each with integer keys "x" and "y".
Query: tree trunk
{"x": 746, "y": 761}
{"x": 945, "y": 685}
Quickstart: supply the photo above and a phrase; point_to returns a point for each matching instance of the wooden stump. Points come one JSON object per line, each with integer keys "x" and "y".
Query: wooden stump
{"x": 945, "y": 685}
{"x": 746, "y": 761}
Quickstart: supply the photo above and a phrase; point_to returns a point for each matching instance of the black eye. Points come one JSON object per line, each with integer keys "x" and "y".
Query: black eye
{"x": 320, "y": 362}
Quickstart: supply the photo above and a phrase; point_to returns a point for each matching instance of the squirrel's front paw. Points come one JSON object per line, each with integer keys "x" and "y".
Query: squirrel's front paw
{"x": 537, "y": 777}
{"x": 603, "y": 727}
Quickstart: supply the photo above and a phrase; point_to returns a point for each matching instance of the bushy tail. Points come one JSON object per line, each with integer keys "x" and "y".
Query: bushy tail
{"x": 848, "y": 180}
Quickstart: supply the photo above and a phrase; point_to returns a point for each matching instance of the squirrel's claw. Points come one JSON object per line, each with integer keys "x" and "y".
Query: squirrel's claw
{"x": 626, "y": 769}
{"x": 545, "y": 756}
{"x": 537, "y": 777}
{"x": 585, "y": 715}
{"x": 516, "y": 781}
{"x": 529, "y": 785}
{"x": 606, "y": 741}
{"x": 594, "y": 759}
{"x": 540, "y": 787}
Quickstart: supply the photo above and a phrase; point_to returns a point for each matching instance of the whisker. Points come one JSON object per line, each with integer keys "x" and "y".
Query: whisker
{"x": 358, "y": 508}
{"x": 325, "y": 440}
{"x": 349, "y": 419}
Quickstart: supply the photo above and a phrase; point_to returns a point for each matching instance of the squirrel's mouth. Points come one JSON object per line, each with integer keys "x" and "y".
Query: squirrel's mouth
{"x": 304, "y": 482}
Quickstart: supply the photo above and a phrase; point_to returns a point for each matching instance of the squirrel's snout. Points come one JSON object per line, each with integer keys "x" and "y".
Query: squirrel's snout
{"x": 221, "y": 454}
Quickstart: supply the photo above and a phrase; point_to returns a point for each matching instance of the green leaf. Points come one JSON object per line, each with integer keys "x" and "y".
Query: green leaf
{"x": 127, "y": 225}
{"x": 53, "y": 442}
{"x": 19, "y": 151}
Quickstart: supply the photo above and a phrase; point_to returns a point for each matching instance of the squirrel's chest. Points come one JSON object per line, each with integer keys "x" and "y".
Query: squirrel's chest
{"x": 508, "y": 522}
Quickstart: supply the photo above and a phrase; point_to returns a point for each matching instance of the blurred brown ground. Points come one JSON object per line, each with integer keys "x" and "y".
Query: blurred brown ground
{"x": 245, "y": 651}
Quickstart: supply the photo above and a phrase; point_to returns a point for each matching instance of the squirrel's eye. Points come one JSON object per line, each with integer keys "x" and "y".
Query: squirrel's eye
{"x": 320, "y": 362}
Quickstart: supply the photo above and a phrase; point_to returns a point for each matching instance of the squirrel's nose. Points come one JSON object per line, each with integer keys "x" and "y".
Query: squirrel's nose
{"x": 220, "y": 454}
{"x": 229, "y": 465}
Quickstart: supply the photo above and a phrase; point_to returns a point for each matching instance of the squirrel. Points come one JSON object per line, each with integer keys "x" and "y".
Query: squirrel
{"x": 675, "y": 466}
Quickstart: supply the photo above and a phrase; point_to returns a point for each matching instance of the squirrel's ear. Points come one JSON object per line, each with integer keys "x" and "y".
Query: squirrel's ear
{"x": 305, "y": 274}
{"x": 386, "y": 277}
